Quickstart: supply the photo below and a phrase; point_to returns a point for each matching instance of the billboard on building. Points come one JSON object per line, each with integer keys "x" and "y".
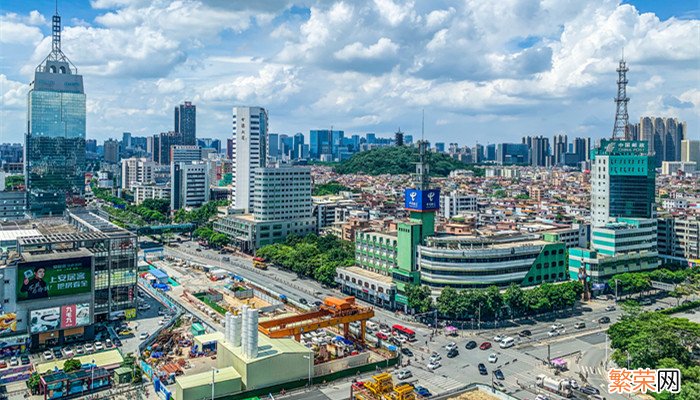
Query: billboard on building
{"x": 53, "y": 278}
{"x": 44, "y": 320}
{"x": 73, "y": 315}
{"x": 422, "y": 200}
{"x": 8, "y": 323}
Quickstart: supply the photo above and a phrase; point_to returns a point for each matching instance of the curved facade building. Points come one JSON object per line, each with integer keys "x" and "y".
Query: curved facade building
{"x": 470, "y": 262}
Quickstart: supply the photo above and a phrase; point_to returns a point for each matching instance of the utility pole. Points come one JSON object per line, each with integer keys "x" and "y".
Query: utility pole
{"x": 479, "y": 320}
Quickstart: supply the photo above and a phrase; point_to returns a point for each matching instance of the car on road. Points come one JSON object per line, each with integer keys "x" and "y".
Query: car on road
{"x": 435, "y": 357}
{"x": 89, "y": 348}
{"x": 524, "y": 333}
{"x": 542, "y": 397}
{"x": 118, "y": 342}
{"x": 433, "y": 365}
{"x": 382, "y": 335}
{"x": 580, "y": 325}
{"x": 452, "y": 353}
{"x": 24, "y": 360}
{"x": 573, "y": 384}
{"x": 318, "y": 303}
{"x": 404, "y": 374}
{"x": 556, "y": 327}
{"x": 645, "y": 302}
{"x": 604, "y": 320}
{"x": 143, "y": 335}
{"x": 499, "y": 374}
{"x": 554, "y": 333}
{"x": 48, "y": 355}
{"x": 610, "y": 308}
{"x": 421, "y": 391}
{"x": 303, "y": 301}
{"x": 470, "y": 345}
{"x": 498, "y": 338}
{"x": 482, "y": 369}
{"x": 589, "y": 390}
{"x": 658, "y": 308}
{"x": 407, "y": 352}
{"x": 450, "y": 346}
{"x": 493, "y": 357}
{"x": 485, "y": 346}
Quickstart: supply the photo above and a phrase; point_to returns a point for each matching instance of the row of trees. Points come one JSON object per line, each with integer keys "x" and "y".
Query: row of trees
{"x": 215, "y": 239}
{"x": 687, "y": 279}
{"x": 654, "y": 340}
{"x": 491, "y": 303}
{"x": 200, "y": 215}
{"x": 313, "y": 256}
{"x": 397, "y": 160}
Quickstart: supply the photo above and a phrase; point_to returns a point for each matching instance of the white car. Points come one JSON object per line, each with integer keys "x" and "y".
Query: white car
{"x": 493, "y": 358}
{"x": 498, "y": 338}
{"x": 434, "y": 365}
{"x": 143, "y": 335}
{"x": 554, "y": 333}
{"x": 98, "y": 346}
{"x": 610, "y": 308}
{"x": 48, "y": 355}
{"x": 435, "y": 357}
{"x": 68, "y": 352}
{"x": 573, "y": 384}
{"x": 14, "y": 362}
{"x": 404, "y": 374}
{"x": 89, "y": 348}
{"x": 556, "y": 327}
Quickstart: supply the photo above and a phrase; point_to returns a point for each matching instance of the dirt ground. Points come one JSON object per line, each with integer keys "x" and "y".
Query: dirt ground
{"x": 474, "y": 395}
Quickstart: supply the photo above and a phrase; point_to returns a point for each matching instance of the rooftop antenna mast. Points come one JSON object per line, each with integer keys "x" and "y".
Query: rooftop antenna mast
{"x": 621, "y": 116}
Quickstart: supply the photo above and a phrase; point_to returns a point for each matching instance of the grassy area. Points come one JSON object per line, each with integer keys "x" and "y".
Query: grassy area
{"x": 210, "y": 303}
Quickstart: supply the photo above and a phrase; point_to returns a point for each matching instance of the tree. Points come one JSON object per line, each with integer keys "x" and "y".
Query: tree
{"x": 33, "y": 382}
{"x": 160, "y": 205}
{"x": 514, "y": 298}
{"x": 448, "y": 303}
{"x": 72, "y": 364}
{"x": 419, "y": 298}
{"x": 332, "y": 187}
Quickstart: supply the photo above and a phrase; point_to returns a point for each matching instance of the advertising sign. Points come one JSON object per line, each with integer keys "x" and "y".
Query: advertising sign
{"x": 8, "y": 323}
{"x": 73, "y": 315}
{"x": 422, "y": 200}
{"x": 44, "y": 320}
{"x": 52, "y": 278}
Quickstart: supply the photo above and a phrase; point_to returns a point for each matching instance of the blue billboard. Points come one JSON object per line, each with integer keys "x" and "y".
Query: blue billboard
{"x": 422, "y": 200}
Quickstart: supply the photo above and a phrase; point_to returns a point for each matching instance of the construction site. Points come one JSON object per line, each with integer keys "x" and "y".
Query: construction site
{"x": 255, "y": 339}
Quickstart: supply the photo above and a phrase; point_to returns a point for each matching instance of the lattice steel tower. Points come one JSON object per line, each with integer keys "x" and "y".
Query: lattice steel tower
{"x": 621, "y": 116}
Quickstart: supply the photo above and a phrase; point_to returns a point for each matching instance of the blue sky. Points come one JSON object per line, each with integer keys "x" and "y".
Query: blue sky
{"x": 483, "y": 71}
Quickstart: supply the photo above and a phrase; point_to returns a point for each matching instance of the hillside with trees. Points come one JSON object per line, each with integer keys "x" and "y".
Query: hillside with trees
{"x": 397, "y": 160}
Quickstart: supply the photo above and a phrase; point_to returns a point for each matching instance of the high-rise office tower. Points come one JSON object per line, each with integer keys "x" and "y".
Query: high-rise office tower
{"x": 189, "y": 184}
{"x": 209, "y": 143}
{"x": 137, "y": 171}
{"x": 664, "y": 136}
{"x": 512, "y": 153}
{"x": 286, "y": 145}
{"x": 126, "y": 140}
{"x": 249, "y": 152}
{"x": 54, "y": 162}
{"x": 162, "y": 144}
{"x": 690, "y": 151}
{"x": 111, "y": 147}
{"x": 322, "y": 143}
{"x": 622, "y": 181}
{"x": 491, "y": 152}
{"x": 539, "y": 150}
{"x": 439, "y": 147}
{"x": 91, "y": 145}
{"x": 559, "y": 148}
{"x": 186, "y": 123}
{"x": 273, "y": 146}
{"x": 477, "y": 153}
{"x": 229, "y": 148}
{"x": 298, "y": 148}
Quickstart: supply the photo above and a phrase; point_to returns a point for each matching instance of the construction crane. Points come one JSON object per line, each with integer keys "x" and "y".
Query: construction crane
{"x": 332, "y": 312}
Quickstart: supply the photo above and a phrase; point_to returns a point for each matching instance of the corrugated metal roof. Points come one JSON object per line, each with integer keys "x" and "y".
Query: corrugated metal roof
{"x": 204, "y": 378}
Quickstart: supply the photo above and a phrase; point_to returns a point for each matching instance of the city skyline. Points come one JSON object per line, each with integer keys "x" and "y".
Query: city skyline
{"x": 371, "y": 81}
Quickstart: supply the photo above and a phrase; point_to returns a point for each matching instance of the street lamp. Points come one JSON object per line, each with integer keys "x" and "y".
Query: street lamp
{"x": 311, "y": 362}
{"x": 213, "y": 372}
{"x": 616, "y": 280}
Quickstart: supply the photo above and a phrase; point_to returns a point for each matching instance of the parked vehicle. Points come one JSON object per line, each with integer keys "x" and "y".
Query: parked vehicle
{"x": 610, "y": 308}
{"x": 589, "y": 390}
{"x": 493, "y": 358}
{"x": 580, "y": 325}
{"x": 407, "y": 352}
{"x": 143, "y": 335}
{"x": 482, "y": 369}
{"x": 435, "y": 357}
{"x": 98, "y": 346}
{"x": 450, "y": 346}
{"x": 24, "y": 360}
{"x": 498, "y": 338}
{"x": 48, "y": 355}
{"x": 382, "y": 336}
{"x": 434, "y": 365}
{"x": 604, "y": 320}
{"x": 499, "y": 374}
{"x": 470, "y": 345}
{"x": 89, "y": 348}
{"x": 421, "y": 391}
{"x": 485, "y": 346}
{"x": 524, "y": 333}
{"x": 557, "y": 327}
{"x": 452, "y": 353}
{"x": 14, "y": 362}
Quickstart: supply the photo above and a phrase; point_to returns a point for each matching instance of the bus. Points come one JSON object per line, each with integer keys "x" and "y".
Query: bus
{"x": 409, "y": 334}
{"x": 259, "y": 262}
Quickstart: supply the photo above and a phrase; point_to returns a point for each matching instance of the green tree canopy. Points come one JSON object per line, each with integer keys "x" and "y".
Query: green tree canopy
{"x": 397, "y": 160}
{"x": 419, "y": 298}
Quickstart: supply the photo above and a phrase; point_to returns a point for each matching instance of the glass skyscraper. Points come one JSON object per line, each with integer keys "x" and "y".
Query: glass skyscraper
{"x": 186, "y": 123}
{"x": 55, "y": 140}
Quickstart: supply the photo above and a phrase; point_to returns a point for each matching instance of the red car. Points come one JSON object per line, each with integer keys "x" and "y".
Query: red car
{"x": 485, "y": 346}
{"x": 382, "y": 336}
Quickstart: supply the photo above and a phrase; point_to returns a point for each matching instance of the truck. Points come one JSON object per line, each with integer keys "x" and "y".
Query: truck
{"x": 561, "y": 387}
{"x": 259, "y": 262}
{"x": 218, "y": 274}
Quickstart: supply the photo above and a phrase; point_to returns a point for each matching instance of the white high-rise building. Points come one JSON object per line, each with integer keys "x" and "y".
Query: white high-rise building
{"x": 189, "y": 184}
{"x": 455, "y": 203}
{"x": 248, "y": 152}
{"x": 137, "y": 171}
{"x": 690, "y": 151}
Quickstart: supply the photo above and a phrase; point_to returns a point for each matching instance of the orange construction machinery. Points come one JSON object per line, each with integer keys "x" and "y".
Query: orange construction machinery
{"x": 332, "y": 312}
{"x": 382, "y": 388}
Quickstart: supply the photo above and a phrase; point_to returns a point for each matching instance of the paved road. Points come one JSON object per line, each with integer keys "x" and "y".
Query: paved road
{"x": 521, "y": 364}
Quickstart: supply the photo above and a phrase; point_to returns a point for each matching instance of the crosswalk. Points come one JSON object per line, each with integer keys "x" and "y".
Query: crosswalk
{"x": 436, "y": 382}
{"x": 587, "y": 369}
